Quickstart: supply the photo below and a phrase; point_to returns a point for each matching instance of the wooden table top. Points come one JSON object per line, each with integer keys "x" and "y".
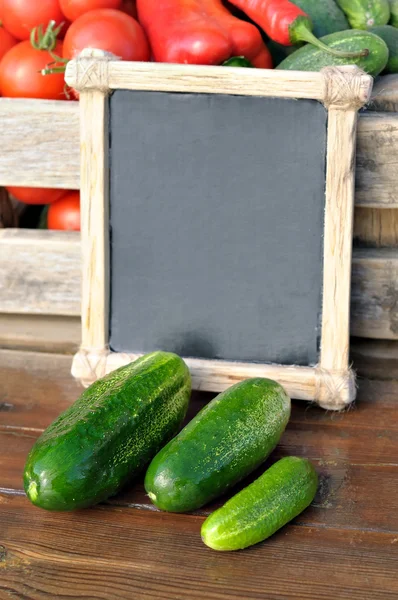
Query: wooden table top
{"x": 345, "y": 546}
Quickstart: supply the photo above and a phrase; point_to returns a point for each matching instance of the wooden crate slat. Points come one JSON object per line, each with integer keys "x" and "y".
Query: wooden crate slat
{"x": 374, "y": 293}
{"x": 376, "y": 228}
{"x": 39, "y": 143}
{"x": 377, "y": 160}
{"x": 40, "y": 274}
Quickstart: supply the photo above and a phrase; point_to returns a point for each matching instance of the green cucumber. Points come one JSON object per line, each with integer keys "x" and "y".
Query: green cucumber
{"x": 226, "y": 440}
{"x": 238, "y": 61}
{"x": 309, "y": 58}
{"x": 394, "y": 13}
{"x": 325, "y": 15}
{"x": 109, "y": 434}
{"x": 390, "y": 35}
{"x": 263, "y": 507}
{"x": 363, "y": 14}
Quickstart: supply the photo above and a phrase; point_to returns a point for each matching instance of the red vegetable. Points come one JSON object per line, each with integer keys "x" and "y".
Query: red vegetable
{"x": 21, "y": 68}
{"x": 199, "y": 32}
{"x": 65, "y": 213}
{"x": 73, "y": 9}
{"x": 129, "y": 7}
{"x": 21, "y": 16}
{"x": 285, "y": 23}
{"x": 36, "y": 195}
{"x": 7, "y": 41}
{"x": 110, "y": 30}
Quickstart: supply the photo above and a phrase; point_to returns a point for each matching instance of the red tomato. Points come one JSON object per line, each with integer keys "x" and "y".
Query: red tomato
{"x": 130, "y": 7}
{"x": 36, "y": 195}
{"x": 7, "y": 41}
{"x": 72, "y": 9}
{"x": 65, "y": 214}
{"x": 110, "y": 30}
{"x": 21, "y": 16}
{"x": 20, "y": 73}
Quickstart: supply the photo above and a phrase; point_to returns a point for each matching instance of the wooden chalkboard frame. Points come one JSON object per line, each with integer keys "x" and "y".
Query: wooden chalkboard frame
{"x": 343, "y": 91}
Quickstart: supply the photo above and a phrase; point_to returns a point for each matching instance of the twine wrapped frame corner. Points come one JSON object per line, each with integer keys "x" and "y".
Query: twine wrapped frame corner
{"x": 343, "y": 91}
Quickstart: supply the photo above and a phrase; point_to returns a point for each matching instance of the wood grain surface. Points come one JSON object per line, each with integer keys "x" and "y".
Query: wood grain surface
{"x": 51, "y": 262}
{"x": 39, "y": 143}
{"x": 376, "y": 228}
{"x": 344, "y": 546}
{"x": 374, "y": 299}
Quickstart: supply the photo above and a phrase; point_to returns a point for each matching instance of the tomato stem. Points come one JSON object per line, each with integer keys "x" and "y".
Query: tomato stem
{"x": 45, "y": 40}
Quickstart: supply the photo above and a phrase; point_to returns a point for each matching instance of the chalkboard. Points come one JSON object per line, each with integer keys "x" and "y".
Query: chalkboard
{"x": 217, "y": 216}
{"x": 216, "y": 213}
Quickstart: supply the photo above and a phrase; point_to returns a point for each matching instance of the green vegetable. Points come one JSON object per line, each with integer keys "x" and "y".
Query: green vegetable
{"x": 390, "y": 35}
{"x": 238, "y": 61}
{"x": 263, "y": 507}
{"x": 394, "y": 13}
{"x": 226, "y": 440}
{"x": 363, "y": 14}
{"x": 109, "y": 434}
{"x": 325, "y": 15}
{"x": 309, "y": 58}
{"x": 279, "y": 52}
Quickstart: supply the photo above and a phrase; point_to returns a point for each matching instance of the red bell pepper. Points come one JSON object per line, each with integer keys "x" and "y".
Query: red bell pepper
{"x": 201, "y": 32}
{"x": 286, "y": 23}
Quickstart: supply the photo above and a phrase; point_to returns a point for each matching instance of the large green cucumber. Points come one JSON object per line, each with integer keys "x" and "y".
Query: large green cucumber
{"x": 109, "y": 434}
{"x": 390, "y": 35}
{"x": 263, "y": 507}
{"x": 309, "y": 58}
{"x": 394, "y": 13}
{"x": 325, "y": 15}
{"x": 363, "y": 14}
{"x": 226, "y": 440}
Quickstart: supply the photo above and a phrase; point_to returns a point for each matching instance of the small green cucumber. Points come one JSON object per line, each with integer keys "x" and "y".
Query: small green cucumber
{"x": 228, "y": 438}
{"x": 394, "y": 13}
{"x": 363, "y": 14}
{"x": 263, "y": 507}
{"x": 325, "y": 15}
{"x": 309, "y": 58}
{"x": 390, "y": 35}
{"x": 109, "y": 434}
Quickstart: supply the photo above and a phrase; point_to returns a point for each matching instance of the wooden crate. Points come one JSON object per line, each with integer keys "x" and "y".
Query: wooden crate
{"x": 40, "y": 270}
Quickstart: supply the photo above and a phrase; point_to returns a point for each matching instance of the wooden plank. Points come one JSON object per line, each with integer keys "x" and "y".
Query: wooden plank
{"x": 39, "y": 141}
{"x": 106, "y": 73}
{"x": 374, "y": 294}
{"x": 375, "y": 228}
{"x": 40, "y": 272}
{"x": 350, "y": 529}
{"x": 385, "y": 94}
{"x": 375, "y": 359}
{"x": 113, "y": 553}
{"x": 352, "y": 451}
{"x": 29, "y": 378}
{"x": 377, "y": 160}
{"x": 44, "y": 333}
{"x": 94, "y": 165}
{"x": 340, "y": 501}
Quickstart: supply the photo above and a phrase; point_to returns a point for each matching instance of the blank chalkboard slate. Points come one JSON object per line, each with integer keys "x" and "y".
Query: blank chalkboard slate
{"x": 217, "y": 217}
{"x": 216, "y": 213}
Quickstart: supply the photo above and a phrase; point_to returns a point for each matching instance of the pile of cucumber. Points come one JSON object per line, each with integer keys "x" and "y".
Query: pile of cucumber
{"x": 127, "y": 420}
{"x": 350, "y": 26}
